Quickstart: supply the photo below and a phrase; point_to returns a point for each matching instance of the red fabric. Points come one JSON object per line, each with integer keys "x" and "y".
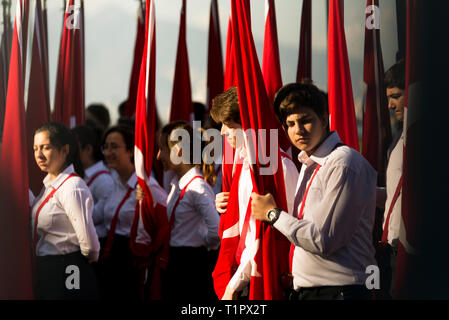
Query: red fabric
{"x": 305, "y": 43}
{"x": 376, "y": 119}
{"x": 38, "y": 102}
{"x": 271, "y": 65}
{"x": 256, "y": 111}
{"x": 407, "y": 261}
{"x": 130, "y": 109}
{"x": 181, "y": 102}
{"x": 215, "y": 74}
{"x": 183, "y": 191}
{"x": 70, "y": 92}
{"x": 341, "y": 101}
{"x": 15, "y": 275}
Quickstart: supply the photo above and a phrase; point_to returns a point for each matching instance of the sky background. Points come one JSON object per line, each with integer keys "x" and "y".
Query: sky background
{"x": 111, "y": 29}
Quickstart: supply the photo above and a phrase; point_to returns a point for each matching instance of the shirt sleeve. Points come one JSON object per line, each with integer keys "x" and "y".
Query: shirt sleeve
{"x": 78, "y": 204}
{"x": 203, "y": 200}
{"x": 103, "y": 186}
{"x": 340, "y": 209}
{"x": 242, "y": 275}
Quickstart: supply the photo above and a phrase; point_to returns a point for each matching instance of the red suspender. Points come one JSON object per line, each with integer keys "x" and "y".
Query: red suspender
{"x": 286, "y": 155}
{"x": 393, "y": 202}
{"x": 111, "y": 233}
{"x": 96, "y": 175}
{"x": 172, "y": 217}
{"x": 42, "y": 205}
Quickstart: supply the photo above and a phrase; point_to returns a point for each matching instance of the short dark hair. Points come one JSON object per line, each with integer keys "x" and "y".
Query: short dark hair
{"x": 395, "y": 76}
{"x": 60, "y": 136}
{"x": 225, "y": 107}
{"x": 89, "y": 136}
{"x": 293, "y": 96}
{"x": 101, "y": 113}
{"x": 199, "y": 109}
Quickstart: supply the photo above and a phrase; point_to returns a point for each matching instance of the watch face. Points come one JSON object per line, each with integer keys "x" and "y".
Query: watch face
{"x": 271, "y": 214}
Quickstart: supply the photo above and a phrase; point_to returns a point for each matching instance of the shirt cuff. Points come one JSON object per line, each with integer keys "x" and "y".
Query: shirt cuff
{"x": 283, "y": 222}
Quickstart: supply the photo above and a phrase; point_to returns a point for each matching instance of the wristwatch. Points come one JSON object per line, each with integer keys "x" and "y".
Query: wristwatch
{"x": 273, "y": 215}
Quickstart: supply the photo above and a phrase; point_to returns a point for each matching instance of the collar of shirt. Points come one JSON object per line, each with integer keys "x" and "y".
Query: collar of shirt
{"x": 89, "y": 172}
{"x": 185, "y": 179}
{"x": 320, "y": 155}
{"x": 132, "y": 181}
{"x": 60, "y": 178}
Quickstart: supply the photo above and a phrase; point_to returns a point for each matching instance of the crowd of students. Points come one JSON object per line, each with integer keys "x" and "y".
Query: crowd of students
{"x": 85, "y": 214}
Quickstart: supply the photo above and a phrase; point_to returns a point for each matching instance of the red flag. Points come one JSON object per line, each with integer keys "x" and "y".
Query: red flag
{"x": 154, "y": 218}
{"x": 70, "y": 93}
{"x": 376, "y": 120}
{"x": 215, "y": 75}
{"x": 61, "y": 111}
{"x": 5, "y": 52}
{"x": 341, "y": 100}
{"x": 411, "y": 233}
{"x": 38, "y": 102}
{"x": 181, "y": 103}
{"x": 78, "y": 68}
{"x": 15, "y": 269}
{"x": 138, "y": 51}
{"x": 256, "y": 112}
{"x": 305, "y": 43}
{"x": 271, "y": 64}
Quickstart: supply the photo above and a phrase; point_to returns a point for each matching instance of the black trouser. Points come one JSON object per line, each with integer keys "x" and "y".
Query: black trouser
{"x": 353, "y": 292}
{"x": 188, "y": 275}
{"x": 64, "y": 277}
{"x": 117, "y": 274}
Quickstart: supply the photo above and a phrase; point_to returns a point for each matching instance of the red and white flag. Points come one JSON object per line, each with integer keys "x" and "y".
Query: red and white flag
{"x": 271, "y": 258}
{"x": 407, "y": 285}
{"x": 215, "y": 73}
{"x": 5, "y": 52}
{"x": 341, "y": 100}
{"x": 376, "y": 119}
{"x": 130, "y": 109}
{"x": 305, "y": 43}
{"x": 38, "y": 102}
{"x": 153, "y": 216}
{"x": 15, "y": 269}
{"x": 181, "y": 101}
{"x": 70, "y": 84}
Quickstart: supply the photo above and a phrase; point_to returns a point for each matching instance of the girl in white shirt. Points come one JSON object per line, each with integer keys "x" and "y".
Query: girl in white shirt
{"x": 191, "y": 213}
{"x": 120, "y": 278}
{"x": 63, "y": 233}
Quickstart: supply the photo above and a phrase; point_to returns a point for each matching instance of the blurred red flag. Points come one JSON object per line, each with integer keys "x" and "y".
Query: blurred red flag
{"x": 15, "y": 268}
{"x": 215, "y": 74}
{"x": 138, "y": 51}
{"x": 38, "y": 102}
{"x": 305, "y": 43}
{"x": 271, "y": 65}
{"x": 408, "y": 273}
{"x": 341, "y": 100}
{"x": 69, "y": 92}
{"x": 376, "y": 119}
{"x": 181, "y": 103}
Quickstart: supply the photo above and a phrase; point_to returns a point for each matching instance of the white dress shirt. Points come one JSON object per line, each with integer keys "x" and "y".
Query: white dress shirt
{"x": 394, "y": 173}
{"x": 242, "y": 275}
{"x": 101, "y": 188}
{"x": 196, "y": 218}
{"x": 333, "y": 241}
{"x": 65, "y": 223}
